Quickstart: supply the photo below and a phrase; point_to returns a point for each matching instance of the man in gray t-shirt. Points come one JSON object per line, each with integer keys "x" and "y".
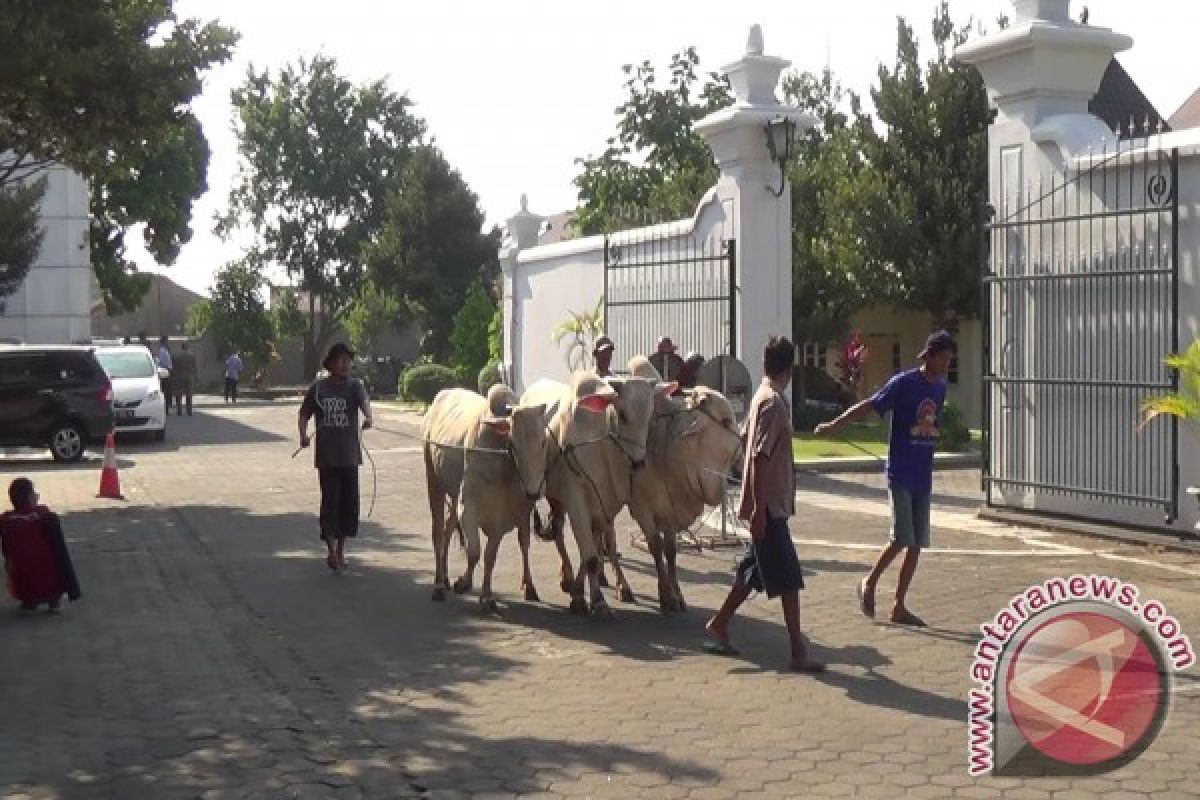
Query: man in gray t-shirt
{"x": 336, "y": 402}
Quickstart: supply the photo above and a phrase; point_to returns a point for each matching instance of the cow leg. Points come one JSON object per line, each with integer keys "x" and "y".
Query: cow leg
{"x": 469, "y": 526}
{"x": 673, "y": 573}
{"x": 666, "y": 598}
{"x": 486, "y": 599}
{"x": 603, "y": 551}
{"x": 437, "y": 513}
{"x": 585, "y": 540}
{"x": 610, "y": 544}
{"x": 531, "y": 595}
{"x": 557, "y": 519}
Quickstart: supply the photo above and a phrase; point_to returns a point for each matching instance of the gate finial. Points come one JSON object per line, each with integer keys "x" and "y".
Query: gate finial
{"x": 754, "y": 42}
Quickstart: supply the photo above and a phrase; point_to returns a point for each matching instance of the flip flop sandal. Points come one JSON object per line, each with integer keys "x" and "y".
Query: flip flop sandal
{"x": 867, "y": 609}
{"x": 808, "y": 667}
{"x": 331, "y": 562}
{"x": 910, "y": 619}
{"x": 715, "y": 647}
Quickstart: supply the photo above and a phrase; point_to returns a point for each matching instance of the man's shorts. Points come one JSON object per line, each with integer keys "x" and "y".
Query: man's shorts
{"x": 771, "y": 564}
{"x": 910, "y": 517}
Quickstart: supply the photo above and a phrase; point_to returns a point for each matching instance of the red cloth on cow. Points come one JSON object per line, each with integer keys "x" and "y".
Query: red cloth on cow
{"x": 36, "y": 558}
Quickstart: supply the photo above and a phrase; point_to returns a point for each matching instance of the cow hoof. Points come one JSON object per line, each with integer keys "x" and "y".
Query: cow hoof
{"x": 602, "y": 579}
{"x": 627, "y": 595}
{"x": 600, "y": 610}
{"x": 531, "y": 595}
{"x": 439, "y": 594}
{"x": 566, "y": 585}
{"x": 679, "y": 604}
{"x": 579, "y": 606}
{"x": 462, "y": 586}
{"x": 489, "y": 605}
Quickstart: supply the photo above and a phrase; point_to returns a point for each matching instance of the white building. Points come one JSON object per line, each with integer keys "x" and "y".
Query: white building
{"x": 54, "y": 304}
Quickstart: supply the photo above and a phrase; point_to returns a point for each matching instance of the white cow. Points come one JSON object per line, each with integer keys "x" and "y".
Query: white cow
{"x": 692, "y": 444}
{"x": 487, "y": 457}
{"x": 598, "y": 429}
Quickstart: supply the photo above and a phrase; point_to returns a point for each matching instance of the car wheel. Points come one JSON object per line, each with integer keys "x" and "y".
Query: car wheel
{"x": 67, "y": 442}
{"x": 160, "y": 435}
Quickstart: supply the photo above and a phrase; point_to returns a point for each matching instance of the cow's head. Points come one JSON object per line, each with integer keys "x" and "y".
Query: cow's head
{"x": 709, "y": 441}
{"x": 524, "y": 429}
{"x": 634, "y": 410}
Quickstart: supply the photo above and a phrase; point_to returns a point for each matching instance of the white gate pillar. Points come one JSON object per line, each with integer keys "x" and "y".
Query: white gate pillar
{"x": 761, "y": 222}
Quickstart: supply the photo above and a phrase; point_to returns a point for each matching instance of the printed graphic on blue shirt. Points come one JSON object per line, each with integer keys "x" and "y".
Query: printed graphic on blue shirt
{"x": 914, "y": 403}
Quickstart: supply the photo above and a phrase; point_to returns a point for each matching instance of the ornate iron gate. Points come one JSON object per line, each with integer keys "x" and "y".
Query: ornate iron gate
{"x": 1081, "y": 297}
{"x": 670, "y": 285}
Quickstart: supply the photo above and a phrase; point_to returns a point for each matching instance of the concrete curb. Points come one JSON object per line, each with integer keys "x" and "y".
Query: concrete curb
{"x": 866, "y": 464}
{"x": 1167, "y": 540}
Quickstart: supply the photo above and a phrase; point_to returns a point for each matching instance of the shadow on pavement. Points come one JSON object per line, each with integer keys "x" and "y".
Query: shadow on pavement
{"x": 831, "y": 484}
{"x": 213, "y": 649}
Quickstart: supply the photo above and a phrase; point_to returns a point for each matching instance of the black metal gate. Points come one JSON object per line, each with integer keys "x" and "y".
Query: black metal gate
{"x": 665, "y": 284}
{"x": 1081, "y": 304}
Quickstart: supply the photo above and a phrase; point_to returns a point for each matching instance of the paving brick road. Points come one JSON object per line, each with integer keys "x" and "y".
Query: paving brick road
{"x": 215, "y": 656}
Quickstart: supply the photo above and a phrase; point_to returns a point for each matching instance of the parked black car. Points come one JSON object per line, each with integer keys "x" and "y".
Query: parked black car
{"x": 55, "y": 397}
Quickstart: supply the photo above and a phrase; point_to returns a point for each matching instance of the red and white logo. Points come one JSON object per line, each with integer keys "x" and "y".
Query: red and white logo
{"x": 1084, "y": 688}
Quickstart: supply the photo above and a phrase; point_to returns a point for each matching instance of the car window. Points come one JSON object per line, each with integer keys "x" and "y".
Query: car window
{"x": 74, "y": 367}
{"x": 25, "y": 369}
{"x": 127, "y": 365}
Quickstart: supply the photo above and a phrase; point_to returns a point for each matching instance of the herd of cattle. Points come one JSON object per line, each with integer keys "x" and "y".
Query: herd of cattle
{"x": 591, "y": 449}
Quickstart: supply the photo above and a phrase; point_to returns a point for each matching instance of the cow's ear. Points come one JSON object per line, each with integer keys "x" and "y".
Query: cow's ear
{"x": 666, "y": 388}
{"x": 498, "y": 425}
{"x": 597, "y": 403}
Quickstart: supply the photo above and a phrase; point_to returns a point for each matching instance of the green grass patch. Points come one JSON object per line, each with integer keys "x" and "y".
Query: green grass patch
{"x": 869, "y": 436}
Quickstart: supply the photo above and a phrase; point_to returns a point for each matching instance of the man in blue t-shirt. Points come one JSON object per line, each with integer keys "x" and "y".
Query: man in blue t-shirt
{"x": 914, "y": 398}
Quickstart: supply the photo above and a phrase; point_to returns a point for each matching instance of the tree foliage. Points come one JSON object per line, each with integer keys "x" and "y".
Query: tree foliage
{"x": 320, "y": 157}
{"x": 236, "y": 317}
{"x": 20, "y": 234}
{"x": 373, "y": 312}
{"x": 834, "y": 195}
{"x": 931, "y": 156}
{"x": 469, "y": 339}
{"x": 431, "y": 248}
{"x": 104, "y": 88}
{"x": 655, "y": 166}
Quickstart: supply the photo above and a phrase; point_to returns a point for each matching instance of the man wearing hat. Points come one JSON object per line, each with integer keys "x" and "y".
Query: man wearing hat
{"x": 336, "y": 402}
{"x": 666, "y": 359}
{"x": 914, "y": 398}
{"x": 602, "y": 354}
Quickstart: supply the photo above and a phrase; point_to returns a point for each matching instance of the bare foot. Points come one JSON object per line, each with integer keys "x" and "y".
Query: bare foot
{"x": 902, "y": 616}
{"x": 718, "y": 633}
{"x": 866, "y": 599}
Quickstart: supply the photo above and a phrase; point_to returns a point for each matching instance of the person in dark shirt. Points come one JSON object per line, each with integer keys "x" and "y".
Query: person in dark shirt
{"x": 336, "y": 401}
{"x": 185, "y": 379}
{"x": 915, "y": 399}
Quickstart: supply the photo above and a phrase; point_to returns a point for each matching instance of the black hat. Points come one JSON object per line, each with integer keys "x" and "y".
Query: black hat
{"x": 938, "y": 342}
{"x": 603, "y": 343}
{"x": 338, "y": 349}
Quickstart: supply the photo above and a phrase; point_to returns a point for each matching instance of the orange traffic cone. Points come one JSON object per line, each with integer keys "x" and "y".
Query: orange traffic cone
{"x": 110, "y": 482}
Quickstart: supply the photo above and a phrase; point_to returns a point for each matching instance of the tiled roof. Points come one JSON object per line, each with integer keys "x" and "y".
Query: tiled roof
{"x": 1119, "y": 100}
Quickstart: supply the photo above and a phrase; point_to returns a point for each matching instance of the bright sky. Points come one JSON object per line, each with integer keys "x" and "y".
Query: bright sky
{"x": 515, "y": 92}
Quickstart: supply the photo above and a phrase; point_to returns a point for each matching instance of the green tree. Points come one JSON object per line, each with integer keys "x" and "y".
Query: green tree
{"x": 320, "y": 158}
{"x": 834, "y": 192}
{"x": 931, "y": 156}
{"x": 579, "y": 330}
{"x": 287, "y": 320}
{"x": 655, "y": 167}
{"x": 236, "y": 317}
{"x": 104, "y": 88}
{"x": 373, "y": 312}
{"x": 20, "y": 234}
{"x": 495, "y": 335}
{"x": 431, "y": 248}
{"x": 469, "y": 339}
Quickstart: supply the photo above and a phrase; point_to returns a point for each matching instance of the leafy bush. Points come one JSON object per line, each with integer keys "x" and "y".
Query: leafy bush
{"x": 955, "y": 435}
{"x": 423, "y": 382}
{"x": 489, "y": 376}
